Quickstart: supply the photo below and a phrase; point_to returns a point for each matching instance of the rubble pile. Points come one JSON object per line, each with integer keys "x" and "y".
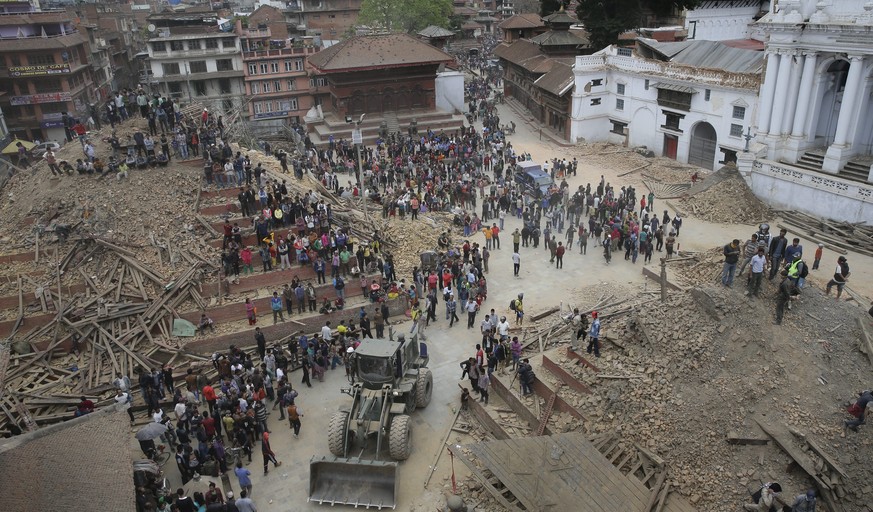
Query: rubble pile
{"x": 730, "y": 201}
{"x": 634, "y": 163}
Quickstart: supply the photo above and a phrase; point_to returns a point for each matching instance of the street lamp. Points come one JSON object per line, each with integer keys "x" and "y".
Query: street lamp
{"x": 748, "y": 136}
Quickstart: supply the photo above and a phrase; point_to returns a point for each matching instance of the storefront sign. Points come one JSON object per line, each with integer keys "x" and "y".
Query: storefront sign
{"x": 42, "y": 70}
{"x": 51, "y": 124}
{"x": 48, "y": 97}
{"x": 264, "y": 115}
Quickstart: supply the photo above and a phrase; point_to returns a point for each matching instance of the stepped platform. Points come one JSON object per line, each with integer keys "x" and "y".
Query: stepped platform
{"x": 320, "y": 131}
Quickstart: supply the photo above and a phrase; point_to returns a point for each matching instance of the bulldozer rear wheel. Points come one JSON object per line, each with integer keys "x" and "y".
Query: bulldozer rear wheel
{"x": 399, "y": 441}
{"x": 423, "y": 387}
{"x": 337, "y": 433}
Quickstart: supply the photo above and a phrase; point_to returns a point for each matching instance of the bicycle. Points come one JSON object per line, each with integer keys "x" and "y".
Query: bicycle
{"x": 160, "y": 455}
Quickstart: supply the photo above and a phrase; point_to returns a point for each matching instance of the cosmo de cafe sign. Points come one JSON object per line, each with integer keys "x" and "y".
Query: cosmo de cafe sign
{"x": 41, "y": 70}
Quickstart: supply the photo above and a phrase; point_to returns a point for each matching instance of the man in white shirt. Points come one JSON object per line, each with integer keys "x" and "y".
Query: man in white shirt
{"x": 516, "y": 263}
{"x": 503, "y": 329}
{"x": 757, "y": 264}
{"x": 123, "y": 399}
{"x": 326, "y": 332}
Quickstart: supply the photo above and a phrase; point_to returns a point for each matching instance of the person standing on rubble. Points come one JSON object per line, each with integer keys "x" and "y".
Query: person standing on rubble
{"x": 731, "y": 257}
{"x": 859, "y": 410}
{"x": 777, "y": 251}
{"x": 750, "y": 249}
{"x": 787, "y": 292}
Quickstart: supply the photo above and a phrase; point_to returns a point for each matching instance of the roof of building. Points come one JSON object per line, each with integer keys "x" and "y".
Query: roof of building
{"x": 42, "y": 43}
{"x": 745, "y": 44}
{"x": 561, "y": 17}
{"x": 527, "y": 55}
{"x": 435, "y": 31}
{"x": 84, "y": 460}
{"x": 36, "y": 17}
{"x": 465, "y": 11}
{"x": 378, "y": 51}
{"x": 524, "y": 20}
{"x": 559, "y": 38}
{"x": 708, "y": 55}
{"x": 559, "y": 79}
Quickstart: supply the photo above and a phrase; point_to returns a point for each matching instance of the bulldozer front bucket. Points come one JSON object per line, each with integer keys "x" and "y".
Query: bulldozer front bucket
{"x": 361, "y": 483}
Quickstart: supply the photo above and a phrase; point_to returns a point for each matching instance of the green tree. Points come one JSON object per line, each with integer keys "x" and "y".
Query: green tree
{"x": 405, "y": 15}
{"x": 605, "y": 20}
{"x": 550, "y": 6}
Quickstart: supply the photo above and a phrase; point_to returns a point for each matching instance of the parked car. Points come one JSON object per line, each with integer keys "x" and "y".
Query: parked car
{"x": 39, "y": 150}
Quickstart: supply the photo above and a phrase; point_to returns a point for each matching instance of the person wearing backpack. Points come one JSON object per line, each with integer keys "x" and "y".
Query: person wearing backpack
{"x": 339, "y": 285}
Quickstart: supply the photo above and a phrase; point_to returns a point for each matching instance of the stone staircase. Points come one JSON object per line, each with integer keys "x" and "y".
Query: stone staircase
{"x": 392, "y": 122}
{"x": 854, "y": 170}
{"x": 319, "y": 131}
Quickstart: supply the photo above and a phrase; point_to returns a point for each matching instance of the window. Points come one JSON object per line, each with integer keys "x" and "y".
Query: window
{"x": 228, "y": 42}
{"x": 199, "y": 87}
{"x": 262, "y": 68}
{"x": 729, "y": 156}
{"x": 317, "y": 82}
{"x": 674, "y": 99}
{"x": 298, "y": 65}
{"x": 255, "y": 87}
{"x": 159, "y": 46}
{"x": 227, "y": 105}
{"x": 736, "y": 130}
{"x": 292, "y": 85}
{"x": 48, "y": 85}
{"x": 277, "y": 85}
{"x": 739, "y": 112}
{"x": 212, "y": 44}
{"x": 194, "y": 45}
{"x": 268, "y": 87}
{"x": 197, "y": 66}
{"x": 253, "y": 69}
{"x": 626, "y": 52}
{"x": 177, "y": 46}
{"x": 288, "y": 65}
{"x": 706, "y": 94}
{"x": 619, "y": 104}
{"x": 646, "y": 84}
{"x": 619, "y": 89}
{"x": 292, "y": 104}
{"x": 596, "y": 82}
{"x": 224, "y": 64}
{"x": 171, "y": 68}
{"x": 595, "y": 101}
{"x": 672, "y": 121}
{"x": 618, "y": 127}
{"x": 41, "y": 59}
{"x": 175, "y": 89}
{"x": 224, "y": 85}
{"x": 274, "y": 67}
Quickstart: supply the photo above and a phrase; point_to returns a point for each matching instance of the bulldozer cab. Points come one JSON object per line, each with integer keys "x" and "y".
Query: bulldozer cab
{"x": 380, "y": 362}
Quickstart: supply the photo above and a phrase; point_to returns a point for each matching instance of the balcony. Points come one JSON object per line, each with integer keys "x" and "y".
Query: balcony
{"x": 280, "y": 52}
{"x": 256, "y": 33}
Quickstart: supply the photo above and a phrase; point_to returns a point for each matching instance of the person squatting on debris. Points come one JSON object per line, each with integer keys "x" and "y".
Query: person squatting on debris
{"x": 859, "y": 410}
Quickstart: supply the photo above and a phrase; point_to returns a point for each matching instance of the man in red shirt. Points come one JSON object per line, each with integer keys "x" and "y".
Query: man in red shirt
{"x": 495, "y": 236}
{"x": 559, "y": 255}
{"x": 209, "y": 396}
{"x": 208, "y": 425}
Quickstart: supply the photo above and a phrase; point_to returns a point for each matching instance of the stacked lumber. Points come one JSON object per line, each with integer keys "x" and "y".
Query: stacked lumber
{"x": 836, "y": 235}
{"x": 122, "y": 323}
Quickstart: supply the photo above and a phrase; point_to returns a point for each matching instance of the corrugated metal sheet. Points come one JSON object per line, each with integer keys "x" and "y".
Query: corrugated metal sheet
{"x": 558, "y": 80}
{"x": 674, "y": 87}
{"x": 709, "y": 55}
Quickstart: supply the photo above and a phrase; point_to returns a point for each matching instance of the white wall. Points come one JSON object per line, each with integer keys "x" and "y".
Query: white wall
{"x": 449, "y": 90}
{"x": 782, "y": 186}
{"x": 723, "y": 22}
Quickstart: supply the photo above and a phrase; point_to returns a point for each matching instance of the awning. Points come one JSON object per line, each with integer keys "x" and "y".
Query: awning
{"x": 675, "y": 87}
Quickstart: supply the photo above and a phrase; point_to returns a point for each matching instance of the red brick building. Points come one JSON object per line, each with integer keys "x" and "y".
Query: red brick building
{"x": 380, "y": 73}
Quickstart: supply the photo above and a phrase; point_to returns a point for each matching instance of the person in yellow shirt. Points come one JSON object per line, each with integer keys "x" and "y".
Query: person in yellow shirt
{"x": 487, "y": 231}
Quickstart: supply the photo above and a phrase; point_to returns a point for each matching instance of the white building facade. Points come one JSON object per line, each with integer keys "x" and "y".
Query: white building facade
{"x": 815, "y": 122}
{"x": 198, "y": 66}
{"x": 723, "y": 20}
{"x": 683, "y": 112}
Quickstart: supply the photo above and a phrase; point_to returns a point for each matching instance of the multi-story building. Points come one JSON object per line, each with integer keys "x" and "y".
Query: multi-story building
{"x": 692, "y": 101}
{"x": 327, "y": 19}
{"x": 121, "y": 34}
{"x": 44, "y": 69}
{"x": 276, "y": 78}
{"x": 195, "y": 60}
